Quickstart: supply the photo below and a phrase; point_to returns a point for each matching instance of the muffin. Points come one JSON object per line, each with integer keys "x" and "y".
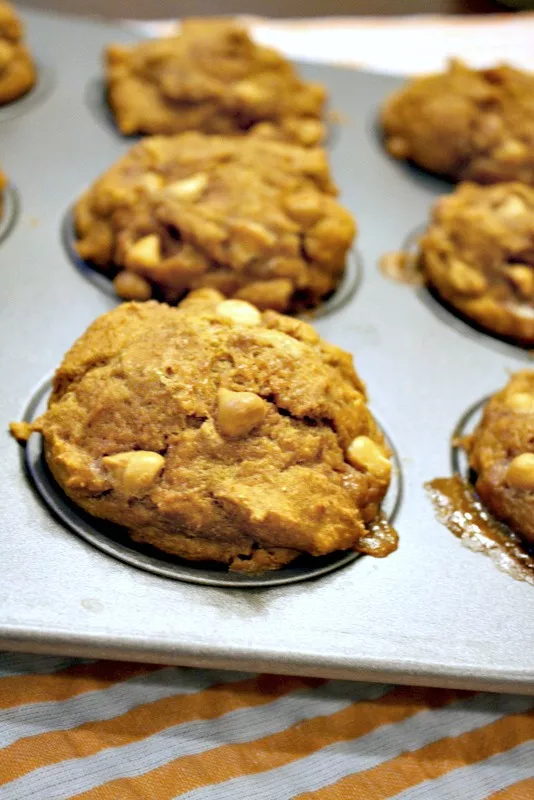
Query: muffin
{"x": 478, "y": 253}
{"x": 256, "y": 219}
{"x": 465, "y": 124}
{"x": 17, "y": 71}
{"x": 214, "y": 432}
{"x": 212, "y": 78}
{"x": 501, "y": 452}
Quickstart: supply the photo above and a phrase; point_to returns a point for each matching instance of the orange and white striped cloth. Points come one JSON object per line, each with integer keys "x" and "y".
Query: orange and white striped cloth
{"x": 117, "y": 731}
{"x": 113, "y": 731}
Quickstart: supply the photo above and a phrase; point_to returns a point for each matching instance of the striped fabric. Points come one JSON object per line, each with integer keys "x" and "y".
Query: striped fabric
{"x": 103, "y": 730}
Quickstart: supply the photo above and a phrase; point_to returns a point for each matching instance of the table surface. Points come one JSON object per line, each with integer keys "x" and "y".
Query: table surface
{"x": 153, "y": 9}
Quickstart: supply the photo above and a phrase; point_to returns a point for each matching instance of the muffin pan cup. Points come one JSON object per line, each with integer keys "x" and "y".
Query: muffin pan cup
{"x": 433, "y": 613}
{"x": 114, "y": 540}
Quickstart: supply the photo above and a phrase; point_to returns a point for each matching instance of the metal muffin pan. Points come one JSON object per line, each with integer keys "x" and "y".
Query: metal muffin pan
{"x": 433, "y": 613}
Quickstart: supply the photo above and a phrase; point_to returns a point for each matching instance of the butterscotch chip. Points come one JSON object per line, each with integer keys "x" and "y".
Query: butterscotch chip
{"x": 17, "y": 71}
{"x": 478, "y": 253}
{"x": 521, "y": 402}
{"x": 501, "y": 452}
{"x": 465, "y": 124}
{"x": 367, "y": 455}
{"x": 520, "y": 472}
{"x": 256, "y": 219}
{"x": 239, "y": 412}
{"x": 212, "y": 78}
{"x": 210, "y": 440}
{"x": 238, "y": 311}
{"x": 135, "y": 471}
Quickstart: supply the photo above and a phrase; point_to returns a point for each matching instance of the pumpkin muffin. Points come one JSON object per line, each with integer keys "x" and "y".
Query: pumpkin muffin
{"x": 212, "y": 78}
{"x": 215, "y": 432}
{"x": 256, "y": 219}
{"x": 465, "y": 124}
{"x": 478, "y": 253}
{"x": 17, "y": 71}
{"x": 501, "y": 452}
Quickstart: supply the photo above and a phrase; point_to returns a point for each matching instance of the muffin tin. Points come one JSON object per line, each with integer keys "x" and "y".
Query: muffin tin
{"x": 432, "y": 613}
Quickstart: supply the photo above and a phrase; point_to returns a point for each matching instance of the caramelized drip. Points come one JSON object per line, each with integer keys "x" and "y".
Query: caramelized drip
{"x": 459, "y": 509}
{"x": 381, "y": 540}
{"x": 403, "y": 267}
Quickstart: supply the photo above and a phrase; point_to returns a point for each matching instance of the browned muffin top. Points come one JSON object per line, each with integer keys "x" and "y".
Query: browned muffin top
{"x": 213, "y": 78}
{"x": 466, "y": 124}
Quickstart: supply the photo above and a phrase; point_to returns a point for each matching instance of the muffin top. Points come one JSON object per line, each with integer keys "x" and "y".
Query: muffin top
{"x": 213, "y": 78}
{"x": 214, "y": 431}
{"x": 479, "y": 254}
{"x": 465, "y": 124}
{"x": 501, "y": 451}
{"x": 17, "y": 72}
{"x": 255, "y": 218}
